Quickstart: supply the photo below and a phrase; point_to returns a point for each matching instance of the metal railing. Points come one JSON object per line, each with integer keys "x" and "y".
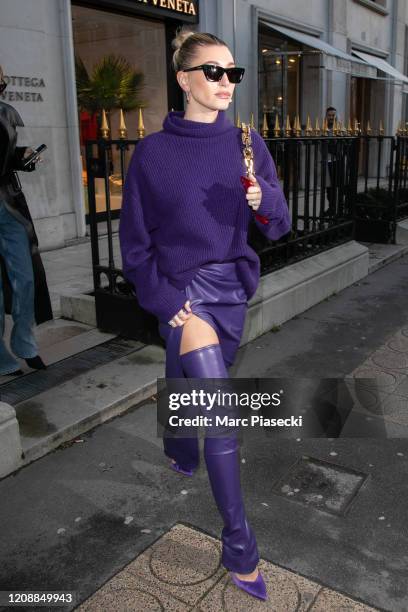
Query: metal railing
{"x": 332, "y": 186}
{"x": 318, "y": 179}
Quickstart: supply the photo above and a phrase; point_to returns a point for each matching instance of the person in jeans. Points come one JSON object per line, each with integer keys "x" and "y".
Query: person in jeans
{"x": 23, "y": 288}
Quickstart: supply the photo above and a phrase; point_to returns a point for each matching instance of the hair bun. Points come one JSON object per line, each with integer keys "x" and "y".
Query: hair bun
{"x": 181, "y": 37}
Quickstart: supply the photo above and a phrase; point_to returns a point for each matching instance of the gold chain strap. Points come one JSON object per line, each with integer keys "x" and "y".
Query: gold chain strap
{"x": 247, "y": 150}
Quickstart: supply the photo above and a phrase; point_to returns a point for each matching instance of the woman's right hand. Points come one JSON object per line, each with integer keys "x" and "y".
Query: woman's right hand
{"x": 181, "y": 317}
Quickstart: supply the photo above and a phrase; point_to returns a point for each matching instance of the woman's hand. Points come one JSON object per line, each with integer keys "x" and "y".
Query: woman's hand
{"x": 181, "y": 317}
{"x": 254, "y": 193}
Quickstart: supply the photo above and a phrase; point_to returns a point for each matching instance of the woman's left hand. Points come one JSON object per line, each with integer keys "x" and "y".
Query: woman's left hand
{"x": 254, "y": 193}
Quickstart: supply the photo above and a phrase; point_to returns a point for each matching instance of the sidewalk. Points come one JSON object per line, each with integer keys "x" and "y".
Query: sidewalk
{"x": 330, "y": 515}
{"x": 92, "y": 376}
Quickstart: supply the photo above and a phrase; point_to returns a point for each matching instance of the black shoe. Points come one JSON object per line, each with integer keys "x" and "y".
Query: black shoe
{"x": 16, "y": 373}
{"x": 36, "y": 363}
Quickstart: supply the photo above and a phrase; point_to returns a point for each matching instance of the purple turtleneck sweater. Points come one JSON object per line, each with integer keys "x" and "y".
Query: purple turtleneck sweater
{"x": 184, "y": 206}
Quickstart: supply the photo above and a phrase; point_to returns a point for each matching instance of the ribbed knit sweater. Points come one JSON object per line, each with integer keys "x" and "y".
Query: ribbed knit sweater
{"x": 184, "y": 206}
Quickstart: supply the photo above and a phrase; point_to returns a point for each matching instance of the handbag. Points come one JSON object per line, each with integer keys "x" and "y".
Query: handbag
{"x": 248, "y": 154}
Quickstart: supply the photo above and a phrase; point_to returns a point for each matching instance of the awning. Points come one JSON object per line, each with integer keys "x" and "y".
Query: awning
{"x": 381, "y": 64}
{"x": 333, "y": 58}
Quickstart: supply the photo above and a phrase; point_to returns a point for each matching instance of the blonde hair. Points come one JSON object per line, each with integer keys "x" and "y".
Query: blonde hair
{"x": 186, "y": 43}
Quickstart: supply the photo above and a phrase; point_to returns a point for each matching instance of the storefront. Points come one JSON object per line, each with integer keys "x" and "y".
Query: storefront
{"x": 293, "y": 74}
{"x": 122, "y": 58}
{"x": 39, "y": 44}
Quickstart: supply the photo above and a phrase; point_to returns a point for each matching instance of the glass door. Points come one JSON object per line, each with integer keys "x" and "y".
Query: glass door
{"x": 279, "y": 74}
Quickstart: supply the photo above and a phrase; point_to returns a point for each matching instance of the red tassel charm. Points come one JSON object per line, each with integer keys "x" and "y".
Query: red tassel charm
{"x": 246, "y": 182}
{"x": 262, "y": 219}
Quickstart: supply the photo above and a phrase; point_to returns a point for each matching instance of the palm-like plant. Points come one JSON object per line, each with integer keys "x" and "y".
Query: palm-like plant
{"x": 113, "y": 84}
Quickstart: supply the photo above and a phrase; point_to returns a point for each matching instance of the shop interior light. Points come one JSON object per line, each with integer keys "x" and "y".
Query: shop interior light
{"x": 292, "y": 60}
{"x": 277, "y": 61}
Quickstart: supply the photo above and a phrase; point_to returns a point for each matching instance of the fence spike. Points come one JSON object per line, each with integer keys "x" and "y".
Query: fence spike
{"x": 288, "y": 129}
{"x": 309, "y": 129}
{"x": 140, "y": 127}
{"x": 122, "y": 126}
{"x": 265, "y": 129}
{"x": 105, "y": 131}
{"x": 368, "y": 130}
{"x": 298, "y": 129}
{"x": 277, "y": 130}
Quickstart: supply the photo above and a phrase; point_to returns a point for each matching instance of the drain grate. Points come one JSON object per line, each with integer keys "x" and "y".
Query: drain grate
{"x": 24, "y": 387}
{"x": 321, "y": 484}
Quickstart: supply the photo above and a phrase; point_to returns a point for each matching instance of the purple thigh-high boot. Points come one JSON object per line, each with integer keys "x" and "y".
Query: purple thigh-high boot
{"x": 239, "y": 551}
{"x": 185, "y": 451}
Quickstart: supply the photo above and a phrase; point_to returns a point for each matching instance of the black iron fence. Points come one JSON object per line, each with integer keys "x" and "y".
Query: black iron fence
{"x": 318, "y": 177}
{"x": 337, "y": 189}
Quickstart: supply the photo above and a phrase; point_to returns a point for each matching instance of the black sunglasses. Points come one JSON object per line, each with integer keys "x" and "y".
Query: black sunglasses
{"x": 215, "y": 73}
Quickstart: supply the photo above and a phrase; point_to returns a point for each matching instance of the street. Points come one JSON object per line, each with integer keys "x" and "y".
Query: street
{"x": 74, "y": 518}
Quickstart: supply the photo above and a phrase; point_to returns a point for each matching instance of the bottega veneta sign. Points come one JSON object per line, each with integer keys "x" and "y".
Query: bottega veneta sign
{"x": 23, "y": 83}
{"x": 181, "y": 6}
{"x": 182, "y": 10}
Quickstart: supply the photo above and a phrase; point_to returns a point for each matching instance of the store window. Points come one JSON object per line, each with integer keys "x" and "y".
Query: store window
{"x": 280, "y": 73}
{"x": 107, "y": 45}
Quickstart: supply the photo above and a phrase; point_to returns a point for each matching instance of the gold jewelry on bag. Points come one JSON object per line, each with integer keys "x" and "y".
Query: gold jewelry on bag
{"x": 247, "y": 151}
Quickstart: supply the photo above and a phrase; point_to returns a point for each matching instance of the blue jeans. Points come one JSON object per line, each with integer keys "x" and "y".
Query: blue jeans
{"x": 15, "y": 250}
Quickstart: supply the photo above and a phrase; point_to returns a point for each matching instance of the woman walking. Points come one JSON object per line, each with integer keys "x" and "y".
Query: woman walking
{"x": 183, "y": 235}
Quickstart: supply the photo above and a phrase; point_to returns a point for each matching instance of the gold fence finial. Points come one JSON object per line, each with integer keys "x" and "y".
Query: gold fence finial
{"x": 265, "y": 129}
{"x": 297, "y": 127}
{"x": 252, "y": 122}
{"x": 309, "y": 129}
{"x": 105, "y": 131}
{"x": 325, "y": 128}
{"x": 140, "y": 126}
{"x": 368, "y": 128}
{"x": 288, "y": 129}
{"x": 381, "y": 128}
{"x": 122, "y": 126}
{"x": 356, "y": 130}
{"x": 349, "y": 128}
{"x": 277, "y": 129}
{"x": 317, "y": 127}
{"x": 335, "y": 128}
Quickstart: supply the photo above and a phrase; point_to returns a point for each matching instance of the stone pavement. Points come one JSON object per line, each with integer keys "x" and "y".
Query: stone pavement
{"x": 78, "y": 517}
{"x": 182, "y": 571}
{"x": 69, "y": 270}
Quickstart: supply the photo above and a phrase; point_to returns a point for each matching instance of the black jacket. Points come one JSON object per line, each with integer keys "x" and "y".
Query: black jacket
{"x": 11, "y": 158}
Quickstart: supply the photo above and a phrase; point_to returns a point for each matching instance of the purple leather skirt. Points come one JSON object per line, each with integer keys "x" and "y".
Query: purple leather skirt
{"x": 216, "y": 295}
